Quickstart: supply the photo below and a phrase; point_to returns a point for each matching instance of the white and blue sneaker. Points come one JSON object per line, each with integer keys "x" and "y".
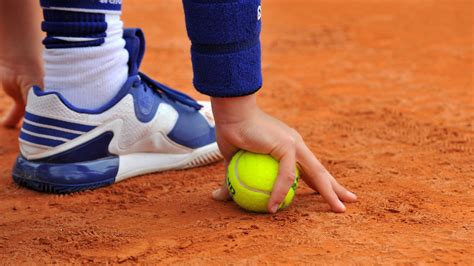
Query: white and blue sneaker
{"x": 148, "y": 127}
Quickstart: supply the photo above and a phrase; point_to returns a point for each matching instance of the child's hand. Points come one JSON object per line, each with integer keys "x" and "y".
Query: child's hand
{"x": 16, "y": 79}
{"x": 240, "y": 124}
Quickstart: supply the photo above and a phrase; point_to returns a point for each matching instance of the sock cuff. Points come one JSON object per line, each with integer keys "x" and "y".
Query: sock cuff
{"x": 99, "y": 6}
{"x": 72, "y": 29}
{"x": 76, "y": 29}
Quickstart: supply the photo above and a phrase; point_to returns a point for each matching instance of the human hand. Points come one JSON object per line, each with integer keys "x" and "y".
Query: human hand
{"x": 16, "y": 79}
{"x": 240, "y": 124}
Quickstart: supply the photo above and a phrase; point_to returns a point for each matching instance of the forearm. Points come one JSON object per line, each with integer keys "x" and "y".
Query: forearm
{"x": 22, "y": 36}
{"x": 233, "y": 109}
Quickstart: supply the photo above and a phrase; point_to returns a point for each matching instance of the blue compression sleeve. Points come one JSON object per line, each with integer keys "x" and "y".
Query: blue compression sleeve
{"x": 225, "y": 51}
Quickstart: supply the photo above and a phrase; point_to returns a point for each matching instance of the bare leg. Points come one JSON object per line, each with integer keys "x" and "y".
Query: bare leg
{"x": 20, "y": 53}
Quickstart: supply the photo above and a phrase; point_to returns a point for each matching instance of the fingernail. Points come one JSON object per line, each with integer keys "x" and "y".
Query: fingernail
{"x": 342, "y": 207}
{"x": 351, "y": 194}
{"x": 216, "y": 193}
{"x": 274, "y": 208}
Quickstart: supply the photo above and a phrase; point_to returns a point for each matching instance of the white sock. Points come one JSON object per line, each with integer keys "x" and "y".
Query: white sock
{"x": 89, "y": 77}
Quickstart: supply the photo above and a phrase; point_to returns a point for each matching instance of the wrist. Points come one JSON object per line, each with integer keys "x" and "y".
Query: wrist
{"x": 234, "y": 109}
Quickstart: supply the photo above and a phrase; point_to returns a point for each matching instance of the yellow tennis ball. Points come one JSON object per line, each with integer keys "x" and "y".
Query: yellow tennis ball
{"x": 250, "y": 180}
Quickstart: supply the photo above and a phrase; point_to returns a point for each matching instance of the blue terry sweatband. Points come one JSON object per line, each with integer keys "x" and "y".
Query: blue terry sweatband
{"x": 225, "y": 51}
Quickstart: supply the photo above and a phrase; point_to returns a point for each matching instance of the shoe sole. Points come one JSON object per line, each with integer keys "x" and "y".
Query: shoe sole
{"x": 74, "y": 177}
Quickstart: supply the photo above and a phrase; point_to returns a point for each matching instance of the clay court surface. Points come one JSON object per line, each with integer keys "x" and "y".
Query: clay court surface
{"x": 383, "y": 93}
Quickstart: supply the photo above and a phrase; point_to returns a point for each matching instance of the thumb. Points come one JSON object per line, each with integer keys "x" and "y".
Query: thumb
{"x": 222, "y": 193}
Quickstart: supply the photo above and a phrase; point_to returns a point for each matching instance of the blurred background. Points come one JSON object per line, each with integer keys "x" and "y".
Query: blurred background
{"x": 382, "y": 91}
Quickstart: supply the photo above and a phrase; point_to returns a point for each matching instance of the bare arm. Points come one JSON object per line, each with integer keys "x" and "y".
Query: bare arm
{"x": 20, "y": 53}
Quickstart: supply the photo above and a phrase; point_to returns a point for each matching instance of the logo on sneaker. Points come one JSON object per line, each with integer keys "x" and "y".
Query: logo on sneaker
{"x": 112, "y": 2}
{"x": 259, "y": 13}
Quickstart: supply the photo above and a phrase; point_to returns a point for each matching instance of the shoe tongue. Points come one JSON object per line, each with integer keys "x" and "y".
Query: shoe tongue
{"x": 135, "y": 45}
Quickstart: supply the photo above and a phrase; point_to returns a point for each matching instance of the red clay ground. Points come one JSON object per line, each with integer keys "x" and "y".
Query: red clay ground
{"x": 381, "y": 90}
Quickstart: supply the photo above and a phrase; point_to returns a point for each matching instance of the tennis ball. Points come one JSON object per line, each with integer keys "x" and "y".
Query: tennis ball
{"x": 250, "y": 180}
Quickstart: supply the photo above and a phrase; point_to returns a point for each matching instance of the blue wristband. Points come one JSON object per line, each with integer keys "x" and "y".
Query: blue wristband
{"x": 225, "y": 50}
